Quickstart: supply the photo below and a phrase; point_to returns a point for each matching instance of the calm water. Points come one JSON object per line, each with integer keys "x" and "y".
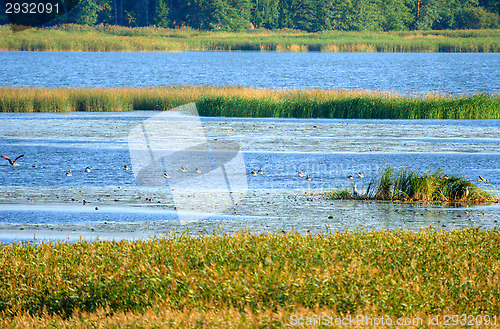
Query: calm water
{"x": 44, "y": 202}
{"x": 401, "y": 72}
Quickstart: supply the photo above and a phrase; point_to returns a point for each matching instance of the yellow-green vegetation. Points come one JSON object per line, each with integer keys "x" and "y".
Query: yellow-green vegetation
{"x": 152, "y": 39}
{"x": 408, "y": 185}
{"x": 248, "y": 102}
{"x": 250, "y": 279}
{"x": 254, "y": 279}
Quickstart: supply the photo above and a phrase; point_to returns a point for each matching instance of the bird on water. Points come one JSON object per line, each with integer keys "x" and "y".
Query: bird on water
{"x": 126, "y": 167}
{"x": 184, "y": 169}
{"x": 12, "y": 163}
{"x": 166, "y": 175}
{"x": 253, "y": 173}
{"x": 69, "y": 173}
{"x": 261, "y": 172}
{"x": 360, "y": 175}
{"x": 301, "y": 174}
{"x": 308, "y": 178}
{"x": 88, "y": 169}
{"x": 355, "y": 190}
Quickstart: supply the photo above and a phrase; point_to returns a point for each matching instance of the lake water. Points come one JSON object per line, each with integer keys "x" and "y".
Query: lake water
{"x": 416, "y": 73}
{"x": 45, "y": 203}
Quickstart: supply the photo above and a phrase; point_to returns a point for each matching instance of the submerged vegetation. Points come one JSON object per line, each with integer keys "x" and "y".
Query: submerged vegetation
{"x": 250, "y": 280}
{"x": 249, "y": 102}
{"x": 407, "y": 185}
{"x": 153, "y": 39}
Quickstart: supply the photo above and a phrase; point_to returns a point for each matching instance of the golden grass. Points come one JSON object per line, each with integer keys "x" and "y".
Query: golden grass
{"x": 152, "y": 39}
{"x": 246, "y": 280}
{"x": 251, "y": 102}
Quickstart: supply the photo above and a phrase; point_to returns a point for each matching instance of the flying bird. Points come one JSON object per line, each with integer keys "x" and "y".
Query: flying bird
{"x": 12, "y": 163}
{"x": 481, "y": 179}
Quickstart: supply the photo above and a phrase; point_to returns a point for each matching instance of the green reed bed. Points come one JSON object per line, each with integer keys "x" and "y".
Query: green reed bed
{"x": 248, "y": 102}
{"x": 412, "y": 186}
{"x": 393, "y": 273}
{"x": 115, "y": 38}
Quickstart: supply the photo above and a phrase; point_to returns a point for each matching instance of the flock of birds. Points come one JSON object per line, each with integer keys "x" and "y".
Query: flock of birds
{"x": 198, "y": 171}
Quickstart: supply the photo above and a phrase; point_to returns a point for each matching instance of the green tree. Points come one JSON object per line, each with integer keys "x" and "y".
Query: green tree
{"x": 87, "y": 12}
{"x": 160, "y": 17}
{"x": 476, "y": 18}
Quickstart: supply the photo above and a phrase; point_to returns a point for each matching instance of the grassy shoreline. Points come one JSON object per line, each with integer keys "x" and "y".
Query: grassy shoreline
{"x": 251, "y": 279}
{"x": 249, "y": 102}
{"x": 121, "y": 39}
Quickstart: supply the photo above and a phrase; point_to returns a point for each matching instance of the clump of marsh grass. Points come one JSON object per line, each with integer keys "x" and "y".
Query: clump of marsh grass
{"x": 412, "y": 186}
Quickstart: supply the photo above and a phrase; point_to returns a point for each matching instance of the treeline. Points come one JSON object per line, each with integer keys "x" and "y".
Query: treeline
{"x": 308, "y": 15}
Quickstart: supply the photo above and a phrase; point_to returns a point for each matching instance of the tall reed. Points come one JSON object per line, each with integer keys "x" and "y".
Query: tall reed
{"x": 115, "y": 38}
{"x": 249, "y": 102}
{"x": 407, "y": 185}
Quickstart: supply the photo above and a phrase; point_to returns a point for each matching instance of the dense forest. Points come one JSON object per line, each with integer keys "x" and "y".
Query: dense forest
{"x": 308, "y": 15}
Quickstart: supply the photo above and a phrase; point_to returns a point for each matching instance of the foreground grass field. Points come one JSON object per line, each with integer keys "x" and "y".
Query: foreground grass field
{"x": 247, "y": 280}
{"x": 248, "y": 102}
{"x": 116, "y": 38}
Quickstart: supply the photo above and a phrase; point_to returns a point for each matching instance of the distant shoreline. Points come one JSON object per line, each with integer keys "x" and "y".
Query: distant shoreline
{"x": 103, "y": 38}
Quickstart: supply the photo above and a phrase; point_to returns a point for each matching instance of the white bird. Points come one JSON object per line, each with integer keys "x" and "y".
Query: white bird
{"x": 88, "y": 169}
{"x": 126, "y": 167}
{"x": 308, "y": 178}
{"x": 360, "y": 175}
{"x": 166, "y": 175}
{"x": 261, "y": 172}
{"x": 184, "y": 169}
{"x": 69, "y": 173}
{"x": 198, "y": 171}
{"x": 253, "y": 173}
{"x": 355, "y": 191}
{"x": 301, "y": 174}
{"x": 350, "y": 177}
{"x": 12, "y": 163}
